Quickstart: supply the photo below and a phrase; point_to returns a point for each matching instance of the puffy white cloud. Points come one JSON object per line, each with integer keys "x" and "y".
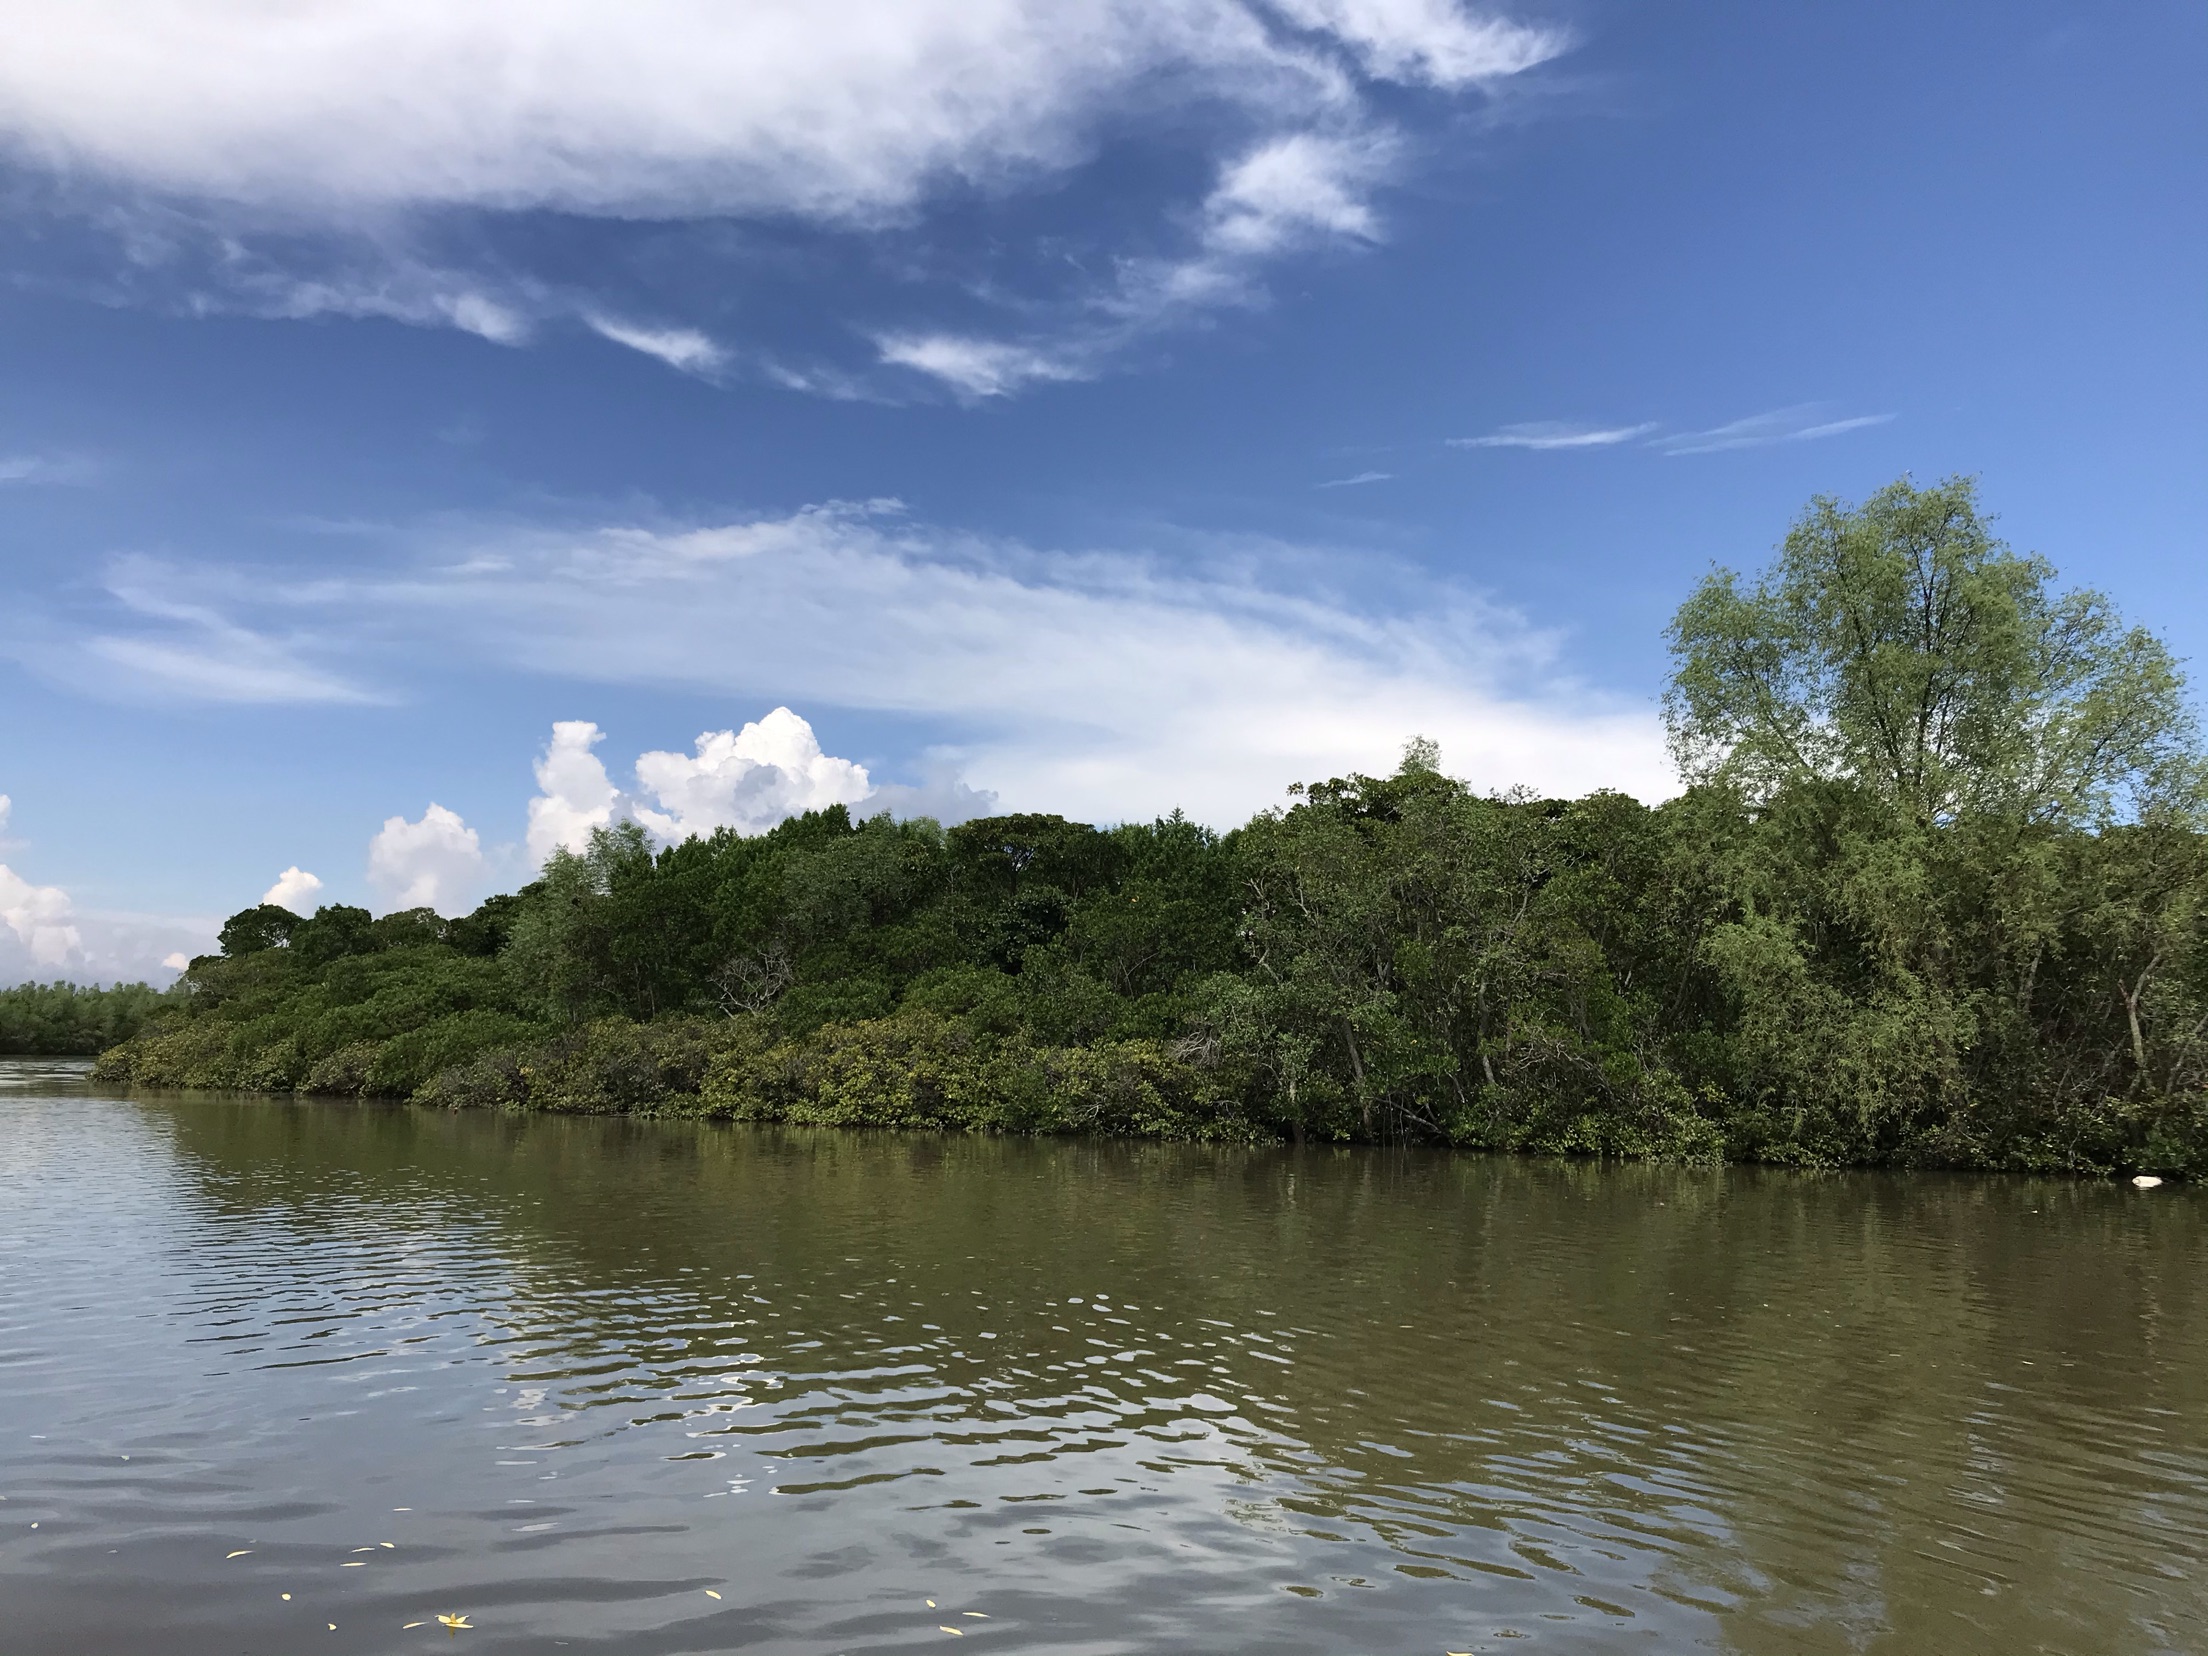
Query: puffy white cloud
{"x": 747, "y": 780}
{"x": 42, "y": 919}
{"x": 575, "y": 793}
{"x": 44, "y": 934}
{"x": 295, "y": 889}
{"x": 434, "y": 863}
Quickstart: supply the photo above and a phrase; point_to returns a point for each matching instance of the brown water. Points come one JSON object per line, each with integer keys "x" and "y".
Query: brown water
{"x": 572, "y": 1378}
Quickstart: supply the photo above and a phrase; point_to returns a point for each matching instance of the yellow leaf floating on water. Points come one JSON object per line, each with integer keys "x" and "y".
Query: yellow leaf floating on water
{"x": 354, "y": 1564}
{"x": 955, "y": 1632}
{"x": 240, "y": 1553}
{"x": 413, "y": 1624}
{"x": 451, "y": 1621}
{"x": 930, "y": 1603}
{"x": 976, "y": 1614}
{"x": 709, "y": 1593}
{"x": 332, "y": 1626}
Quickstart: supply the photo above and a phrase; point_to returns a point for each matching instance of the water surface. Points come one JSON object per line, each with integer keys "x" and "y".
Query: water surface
{"x": 573, "y": 1378}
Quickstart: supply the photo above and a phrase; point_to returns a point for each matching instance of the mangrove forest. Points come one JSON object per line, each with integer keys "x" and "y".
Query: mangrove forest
{"x": 1932, "y": 894}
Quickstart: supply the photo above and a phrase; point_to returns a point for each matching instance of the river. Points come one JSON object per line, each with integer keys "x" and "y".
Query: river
{"x": 283, "y": 1377}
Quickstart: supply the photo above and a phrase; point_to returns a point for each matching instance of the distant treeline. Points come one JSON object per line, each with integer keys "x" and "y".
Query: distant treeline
{"x": 1934, "y": 895}
{"x": 64, "y": 1019}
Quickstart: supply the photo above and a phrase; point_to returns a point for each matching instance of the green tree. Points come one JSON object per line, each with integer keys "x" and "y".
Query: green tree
{"x": 1899, "y": 646}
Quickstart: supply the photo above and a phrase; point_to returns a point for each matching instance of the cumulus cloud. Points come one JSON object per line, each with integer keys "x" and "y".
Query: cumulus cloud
{"x": 42, "y": 919}
{"x": 747, "y": 780}
{"x": 434, "y": 863}
{"x": 44, "y": 935}
{"x": 574, "y": 794}
{"x": 295, "y": 889}
{"x": 229, "y": 136}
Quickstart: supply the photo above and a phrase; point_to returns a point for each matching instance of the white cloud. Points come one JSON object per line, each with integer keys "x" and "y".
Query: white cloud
{"x": 1360, "y": 478}
{"x": 295, "y": 889}
{"x": 575, "y": 794}
{"x": 748, "y": 780}
{"x": 1099, "y": 684}
{"x": 846, "y": 109}
{"x": 1555, "y": 434}
{"x": 289, "y": 155}
{"x": 1295, "y": 188}
{"x": 683, "y": 348}
{"x": 43, "y": 468}
{"x": 1300, "y": 190}
{"x": 41, "y": 917}
{"x": 174, "y": 636}
{"x": 1433, "y": 41}
{"x": 44, "y": 935}
{"x": 1803, "y": 423}
{"x": 978, "y": 367}
{"x": 435, "y": 863}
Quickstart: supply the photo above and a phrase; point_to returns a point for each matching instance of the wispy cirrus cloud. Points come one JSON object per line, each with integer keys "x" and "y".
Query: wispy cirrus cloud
{"x": 1555, "y": 434}
{"x": 1097, "y": 683}
{"x": 171, "y": 632}
{"x": 1298, "y": 192}
{"x": 45, "y": 468}
{"x": 359, "y": 157}
{"x": 1802, "y": 423}
{"x": 685, "y": 349}
{"x": 1357, "y": 481}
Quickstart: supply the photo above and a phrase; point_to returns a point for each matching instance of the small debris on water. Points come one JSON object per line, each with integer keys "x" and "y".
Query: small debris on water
{"x": 2145, "y": 1181}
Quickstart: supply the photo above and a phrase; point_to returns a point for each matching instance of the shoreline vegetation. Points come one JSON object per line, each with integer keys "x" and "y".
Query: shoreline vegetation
{"x": 1933, "y": 896}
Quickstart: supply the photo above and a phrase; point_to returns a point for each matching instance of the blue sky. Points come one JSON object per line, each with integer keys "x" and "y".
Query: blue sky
{"x": 1079, "y": 406}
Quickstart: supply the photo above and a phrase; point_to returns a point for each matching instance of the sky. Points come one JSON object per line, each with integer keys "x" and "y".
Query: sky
{"x": 432, "y": 428}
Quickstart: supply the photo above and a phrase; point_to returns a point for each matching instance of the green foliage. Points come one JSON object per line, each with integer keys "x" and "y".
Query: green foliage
{"x": 1899, "y": 646}
{"x": 66, "y": 1019}
{"x": 1937, "y": 894}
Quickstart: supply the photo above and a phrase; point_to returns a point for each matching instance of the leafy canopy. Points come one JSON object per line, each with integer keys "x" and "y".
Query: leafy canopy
{"x": 1899, "y": 646}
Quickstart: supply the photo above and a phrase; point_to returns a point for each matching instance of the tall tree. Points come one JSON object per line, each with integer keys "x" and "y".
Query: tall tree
{"x": 1900, "y": 646}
